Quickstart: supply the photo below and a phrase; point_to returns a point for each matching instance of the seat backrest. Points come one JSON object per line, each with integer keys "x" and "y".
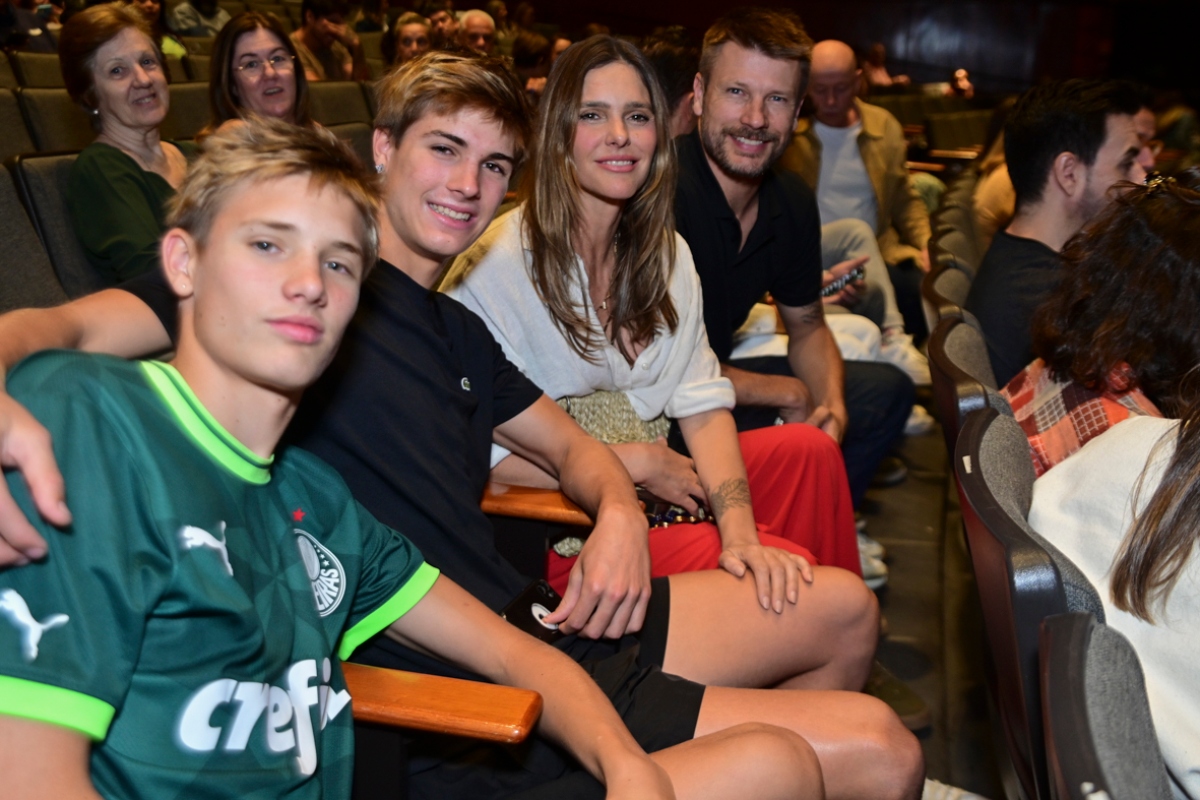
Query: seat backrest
{"x": 338, "y": 102}
{"x": 188, "y": 113}
{"x": 37, "y": 70}
{"x": 42, "y": 181}
{"x": 1021, "y": 579}
{"x": 198, "y": 45}
{"x": 54, "y": 122}
{"x": 27, "y": 279}
{"x": 14, "y": 137}
{"x": 1100, "y": 735}
{"x": 359, "y": 137}
{"x": 234, "y": 7}
{"x": 944, "y": 291}
{"x": 372, "y": 44}
{"x": 176, "y": 69}
{"x": 199, "y": 67}
{"x": 8, "y": 78}
{"x": 957, "y": 390}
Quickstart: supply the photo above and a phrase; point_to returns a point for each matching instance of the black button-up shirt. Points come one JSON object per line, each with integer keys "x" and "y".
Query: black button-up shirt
{"x": 782, "y": 253}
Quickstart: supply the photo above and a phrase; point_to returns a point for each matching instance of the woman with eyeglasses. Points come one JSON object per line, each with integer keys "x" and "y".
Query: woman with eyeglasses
{"x": 254, "y": 72}
{"x": 119, "y": 184}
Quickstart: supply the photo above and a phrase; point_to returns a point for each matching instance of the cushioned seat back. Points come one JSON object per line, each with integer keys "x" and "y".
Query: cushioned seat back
{"x": 198, "y": 45}
{"x": 956, "y": 390}
{"x": 14, "y": 138}
{"x": 43, "y": 184}
{"x": 338, "y": 102}
{"x": 188, "y": 112}
{"x": 1100, "y": 737}
{"x": 199, "y": 67}
{"x": 55, "y": 122}
{"x": 37, "y": 70}
{"x": 8, "y": 78}
{"x": 956, "y": 130}
{"x": 234, "y": 7}
{"x": 944, "y": 290}
{"x": 1021, "y": 580}
{"x": 372, "y": 44}
{"x": 358, "y": 135}
{"x": 27, "y": 278}
{"x": 176, "y": 69}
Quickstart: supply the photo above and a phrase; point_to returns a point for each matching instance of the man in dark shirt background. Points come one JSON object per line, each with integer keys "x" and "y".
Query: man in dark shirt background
{"x": 1066, "y": 143}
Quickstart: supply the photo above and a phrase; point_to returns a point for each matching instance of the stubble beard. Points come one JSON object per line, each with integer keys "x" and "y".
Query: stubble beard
{"x": 714, "y": 147}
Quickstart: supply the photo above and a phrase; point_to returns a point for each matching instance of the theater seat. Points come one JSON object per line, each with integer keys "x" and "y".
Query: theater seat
{"x": 42, "y": 181}
{"x": 1021, "y": 579}
{"x": 8, "y": 78}
{"x": 338, "y": 102}
{"x": 54, "y": 121}
{"x": 27, "y": 279}
{"x": 1100, "y": 737}
{"x": 188, "y": 113}
{"x": 198, "y": 45}
{"x": 358, "y": 135}
{"x": 37, "y": 70}
{"x": 14, "y": 138}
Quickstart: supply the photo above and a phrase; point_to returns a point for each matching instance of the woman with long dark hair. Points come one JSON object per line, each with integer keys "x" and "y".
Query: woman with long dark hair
{"x": 593, "y": 294}
{"x": 255, "y": 70}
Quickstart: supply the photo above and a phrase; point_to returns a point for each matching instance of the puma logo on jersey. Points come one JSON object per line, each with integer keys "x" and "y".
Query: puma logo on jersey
{"x": 288, "y": 723}
{"x": 13, "y": 606}
{"x": 198, "y": 537}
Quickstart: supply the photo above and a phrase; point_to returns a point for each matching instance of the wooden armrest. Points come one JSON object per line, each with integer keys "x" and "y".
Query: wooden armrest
{"x": 441, "y": 705}
{"x": 526, "y": 502}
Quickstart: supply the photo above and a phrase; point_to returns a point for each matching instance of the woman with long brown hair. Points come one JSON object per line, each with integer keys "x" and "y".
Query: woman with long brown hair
{"x": 595, "y": 297}
{"x": 1126, "y": 507}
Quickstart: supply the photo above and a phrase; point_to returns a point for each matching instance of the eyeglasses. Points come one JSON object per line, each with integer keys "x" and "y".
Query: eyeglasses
{"x": 254, "y": 68}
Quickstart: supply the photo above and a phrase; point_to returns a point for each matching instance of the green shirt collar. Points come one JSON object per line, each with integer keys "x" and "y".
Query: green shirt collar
{"x": 206, "y": 432}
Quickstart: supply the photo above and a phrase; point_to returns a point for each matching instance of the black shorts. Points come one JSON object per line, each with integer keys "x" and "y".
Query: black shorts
{"x": 660, "y": 711}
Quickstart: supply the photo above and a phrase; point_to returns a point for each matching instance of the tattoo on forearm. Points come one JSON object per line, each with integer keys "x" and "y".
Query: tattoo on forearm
{"x": 812, "y": 313}
{"x": 733, "y": 493}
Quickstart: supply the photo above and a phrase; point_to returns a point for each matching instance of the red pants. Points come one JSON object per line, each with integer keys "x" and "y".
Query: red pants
{"x": 801, "y": 504}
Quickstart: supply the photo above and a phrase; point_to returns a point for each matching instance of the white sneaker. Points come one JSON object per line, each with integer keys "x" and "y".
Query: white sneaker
{"x": 869, "y": 547}
{"x": 919, "y": 422}
{"x": 875, "y": 572}
{"x": 936, "y": 790}
{"x": 897, "y": 349}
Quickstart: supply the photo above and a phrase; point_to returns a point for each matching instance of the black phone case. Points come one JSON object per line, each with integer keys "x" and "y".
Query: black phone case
{"x": 529, "y": 607}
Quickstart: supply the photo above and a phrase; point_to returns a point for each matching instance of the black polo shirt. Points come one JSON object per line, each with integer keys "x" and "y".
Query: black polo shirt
{"x": 782, "y": 253}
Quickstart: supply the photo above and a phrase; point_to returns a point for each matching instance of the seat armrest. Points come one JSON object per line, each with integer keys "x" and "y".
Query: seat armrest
{"x": 441, "y": 705}
{"x": 526, "y": 502}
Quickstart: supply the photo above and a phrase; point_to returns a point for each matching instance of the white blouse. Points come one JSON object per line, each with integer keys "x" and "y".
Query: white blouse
{"x": 677, "y": 373}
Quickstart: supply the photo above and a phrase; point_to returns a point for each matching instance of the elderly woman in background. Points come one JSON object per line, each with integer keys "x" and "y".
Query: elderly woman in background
{"x": 407, "y": 39}
{"x": 119, "y": 184}
{"x": 1119, "y": 333}
{"x": 255, "y": 72}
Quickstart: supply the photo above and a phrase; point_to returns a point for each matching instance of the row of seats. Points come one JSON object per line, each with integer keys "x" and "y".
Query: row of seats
{"x": 1052, "y": 663}
{"x": 42, "y": 70}
{"x": 46, "y": 120}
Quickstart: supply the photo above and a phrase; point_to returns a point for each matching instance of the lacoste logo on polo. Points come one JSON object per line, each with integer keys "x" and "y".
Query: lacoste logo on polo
{"x": 466, "y": 384}
{"x": 198, "y": 537}
{"x": 324, "y": 572}
{"x": 14, "y": 607}
{"x": 288, "y": 723}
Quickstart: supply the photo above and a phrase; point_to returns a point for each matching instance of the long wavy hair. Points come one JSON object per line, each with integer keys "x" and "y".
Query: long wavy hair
{"x": 1125, "y": 314}
{"x": 645, "y": 242}
{"x": 1163, "y": 536}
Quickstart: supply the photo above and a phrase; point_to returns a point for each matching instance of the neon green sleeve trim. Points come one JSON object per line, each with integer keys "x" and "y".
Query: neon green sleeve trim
{"x": 410, "y": 593}
{"x": 58, "y": 706}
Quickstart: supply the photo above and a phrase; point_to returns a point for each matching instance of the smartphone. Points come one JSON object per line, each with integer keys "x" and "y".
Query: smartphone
{"x": 854, "y": 275}
{"x": 529, "y": 609}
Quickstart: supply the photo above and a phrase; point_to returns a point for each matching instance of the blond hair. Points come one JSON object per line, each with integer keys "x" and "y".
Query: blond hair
{"x": 270, "y": 149}
{"x": 445, "y": 83}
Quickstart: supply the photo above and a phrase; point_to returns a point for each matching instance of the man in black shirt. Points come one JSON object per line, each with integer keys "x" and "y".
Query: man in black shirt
{"x": 1066, "y": 144}
{"x": 407, "y": 413}
{"x": 753, "y": 230}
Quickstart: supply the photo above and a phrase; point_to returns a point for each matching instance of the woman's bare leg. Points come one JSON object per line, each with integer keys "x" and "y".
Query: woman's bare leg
{"x": 863, "y": 749}
{"x": 720, "y": 636}
{"x": 747, "y": 761}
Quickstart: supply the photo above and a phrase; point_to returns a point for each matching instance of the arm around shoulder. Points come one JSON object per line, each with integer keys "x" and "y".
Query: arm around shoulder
{"x": 41, "y": 760}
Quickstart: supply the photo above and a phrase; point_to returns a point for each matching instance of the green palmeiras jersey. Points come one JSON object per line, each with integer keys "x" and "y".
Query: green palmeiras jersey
{"x": 191, "y": 618}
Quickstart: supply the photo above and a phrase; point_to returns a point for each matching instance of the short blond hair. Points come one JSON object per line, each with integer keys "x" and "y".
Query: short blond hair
{"x": 264, "y": 149}
{"x": 445, "y": 83}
